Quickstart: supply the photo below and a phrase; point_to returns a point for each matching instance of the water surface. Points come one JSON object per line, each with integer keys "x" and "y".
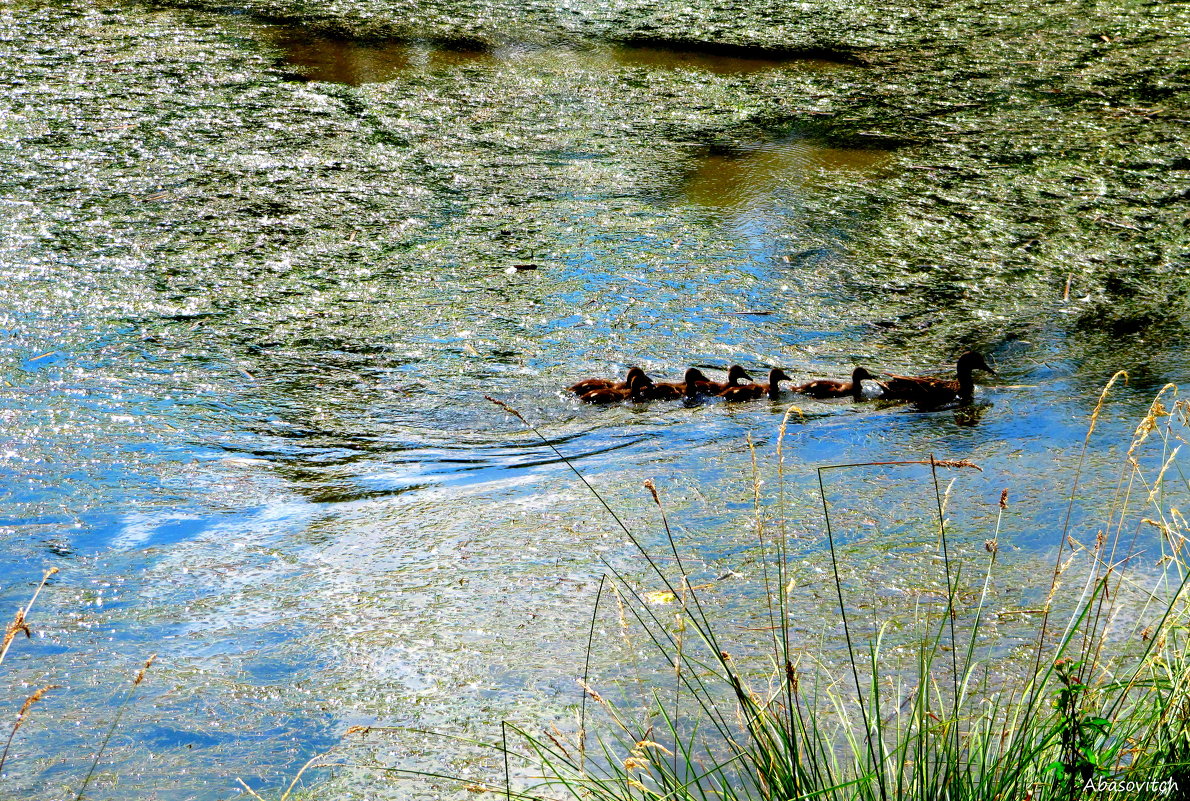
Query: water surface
{"x": 356, "y": 62}
{"x": 248, "y": 326}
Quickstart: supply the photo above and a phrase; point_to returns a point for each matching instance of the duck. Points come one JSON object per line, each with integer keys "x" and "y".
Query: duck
{"x": 604, "y": 395}
{"x": 698, "y": 384}
{"x": 637, "y": 383}
{"x": 665, "y": 390}
{"x": 587, "y": 385}
{"x": 932, "y": 391}
{"x": 646, "y": 390}
{"x": 747, "y": 392}
{"x": 829, "y": 388}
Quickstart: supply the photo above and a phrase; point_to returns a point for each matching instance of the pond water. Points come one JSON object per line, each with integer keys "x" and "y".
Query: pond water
{"x": 246, "y": 332}
{"x": 340, "y": 60}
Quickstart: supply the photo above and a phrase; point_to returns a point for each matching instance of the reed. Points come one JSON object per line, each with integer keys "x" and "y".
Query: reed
{"x": 136, "y": 683}
{"x": 20, "y": 625}
{"x": 21, "y": 717}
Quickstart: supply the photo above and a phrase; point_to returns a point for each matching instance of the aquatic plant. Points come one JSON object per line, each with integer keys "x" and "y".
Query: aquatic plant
{"x": 1096, "y": 704}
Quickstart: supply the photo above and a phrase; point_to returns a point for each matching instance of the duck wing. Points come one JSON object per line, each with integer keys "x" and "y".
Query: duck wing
{"x": 604, "y": 395}
{"x": 590, "y": 384}
{"x": 744, "y": 392}
{"x": 920, "y": 389}
{"x": 663, "y": 391}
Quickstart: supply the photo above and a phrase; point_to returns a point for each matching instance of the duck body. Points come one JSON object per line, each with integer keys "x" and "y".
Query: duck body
{"x": 828, "y": 388}
{"x": 659, "y": 391}
{"x": 668, "y": 390}
{"x": 747, "y": 392}
{"x": 590, "y": 384}
{"x": 933, "y": 391}
{"x": 604, "y": 395}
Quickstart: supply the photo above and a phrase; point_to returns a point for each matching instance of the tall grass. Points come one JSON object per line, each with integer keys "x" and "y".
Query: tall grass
{"x": 1098, "y": 703}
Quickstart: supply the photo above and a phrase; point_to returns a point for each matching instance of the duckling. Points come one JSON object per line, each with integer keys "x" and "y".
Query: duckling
{"x": 932, "y": 391}
{"x": 695, "y": 382}
{"x": 701, "y": 385}
{"x": 828, "y": 388}
{"x": 666, "y": 390}
{"x": 747, "y": 392}
{"x": 660, "y": 390}
{"x": 585, "y": 386}
{"x": 637, "y": 382}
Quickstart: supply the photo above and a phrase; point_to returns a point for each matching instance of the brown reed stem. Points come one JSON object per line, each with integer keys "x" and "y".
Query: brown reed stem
{"x": 140, "y": 676}
{"x": 19, "y": 622}
{"x": 29, "y": 702}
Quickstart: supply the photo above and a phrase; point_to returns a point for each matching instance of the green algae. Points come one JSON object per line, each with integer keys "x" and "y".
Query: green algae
{"x": 1046, "y": 140}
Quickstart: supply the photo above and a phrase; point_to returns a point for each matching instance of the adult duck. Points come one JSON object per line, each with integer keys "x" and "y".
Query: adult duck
{"x": 747, "y": 392}
{"x": 829, "y": 388}
{"x": 932, "y": 391}
{"x": 583, "y": 387}
{"x": 698, "y": 384}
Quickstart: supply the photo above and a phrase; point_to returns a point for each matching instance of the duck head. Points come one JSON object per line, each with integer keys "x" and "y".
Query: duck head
{"x": 973, "y": 361}
{"x": 737, "y": 374}
{"x": 777, "y": 374}
{"x": 860, "y": 374}
{"x": 637, "y": 384}
{"x": 695, "y": 376}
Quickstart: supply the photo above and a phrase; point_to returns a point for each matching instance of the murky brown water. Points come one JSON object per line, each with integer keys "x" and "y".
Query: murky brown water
{"x": 338, "y": 60}
{"x": 739, "y": 179}
{"x": 750, "y": 175}
{"x": 334, "y": 60}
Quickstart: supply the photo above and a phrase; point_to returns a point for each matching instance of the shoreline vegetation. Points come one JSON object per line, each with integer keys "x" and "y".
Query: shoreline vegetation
{"x": 1098, "y": 700}
{"x": 941, "y": 704}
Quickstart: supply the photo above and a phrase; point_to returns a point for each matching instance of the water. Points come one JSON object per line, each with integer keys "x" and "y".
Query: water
{"x": 247, "y": 329}
{"x": 338, "y": 60}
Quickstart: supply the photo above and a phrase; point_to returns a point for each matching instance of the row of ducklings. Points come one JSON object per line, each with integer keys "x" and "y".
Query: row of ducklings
{"x": 922, "y": 390}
